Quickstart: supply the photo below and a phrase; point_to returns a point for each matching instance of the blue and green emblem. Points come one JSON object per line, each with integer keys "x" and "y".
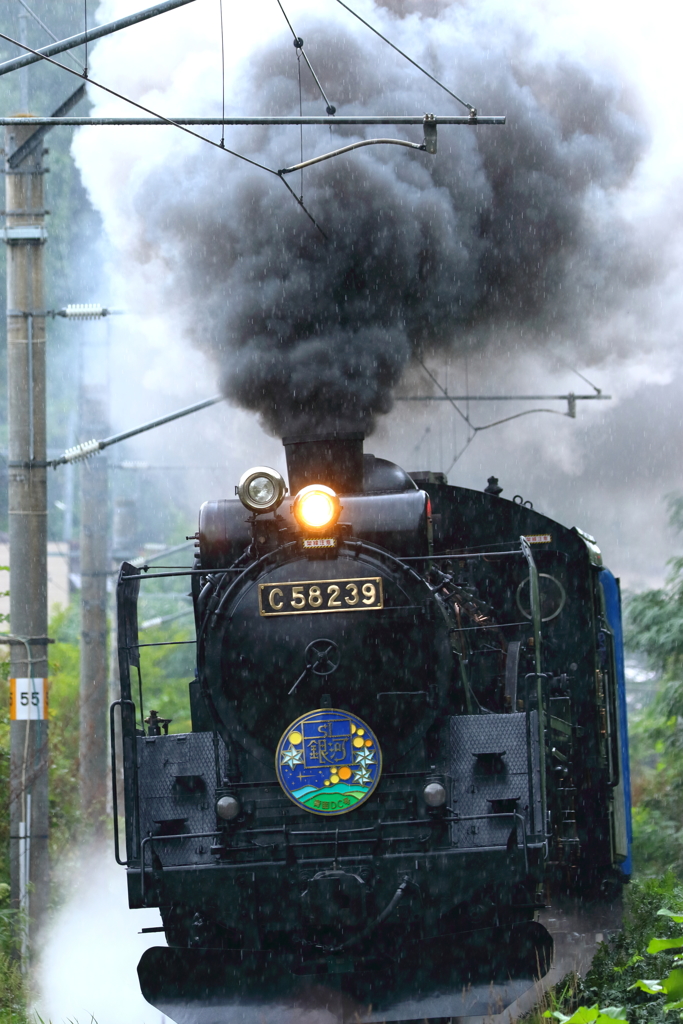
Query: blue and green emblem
{"x": 328, "y": 761}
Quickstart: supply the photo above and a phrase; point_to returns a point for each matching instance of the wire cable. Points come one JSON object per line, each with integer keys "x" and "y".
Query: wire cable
{"x": 169, "y": 121}
{"x": 85, "y": 16}
{"x": 464, "y": 103}
{"x": 46, "y": 29}
{"x": 444, "y": 393}
{"x": 486, "y": 426}
{"x": 299, "y": 44}
{"x": 590, "y": 383}
{"x": 220, "y": 6}
{"x": 301, "y": 127}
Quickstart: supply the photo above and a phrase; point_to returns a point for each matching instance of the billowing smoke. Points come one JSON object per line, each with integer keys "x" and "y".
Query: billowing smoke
{"x": 510, "y": 229}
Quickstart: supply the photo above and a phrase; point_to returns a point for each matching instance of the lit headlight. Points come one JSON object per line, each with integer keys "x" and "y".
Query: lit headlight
{"x": 227, "y": 808}
{"x": 434, "y": 794}
{"x": 316, "y": 507}
{"x": 261, "y": 489}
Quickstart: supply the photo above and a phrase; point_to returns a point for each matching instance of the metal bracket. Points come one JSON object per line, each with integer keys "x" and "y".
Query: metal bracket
{"x": 23, "y": 640}
{"x": 36, "y": 139}
{"x": 429, "y": 128}
{"x": 35, "y": 170}
{"x": 24, "y": 233}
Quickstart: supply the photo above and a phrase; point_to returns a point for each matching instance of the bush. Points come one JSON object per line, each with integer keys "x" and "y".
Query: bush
{"x": 623, "y": 961}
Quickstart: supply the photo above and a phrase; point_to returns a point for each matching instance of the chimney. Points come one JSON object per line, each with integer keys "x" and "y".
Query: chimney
{"x": 334, "y": 458}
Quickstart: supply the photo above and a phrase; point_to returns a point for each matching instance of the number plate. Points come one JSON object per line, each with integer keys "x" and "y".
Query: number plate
{"x": 28, "y": 700}
{"x": 308, "y": 597}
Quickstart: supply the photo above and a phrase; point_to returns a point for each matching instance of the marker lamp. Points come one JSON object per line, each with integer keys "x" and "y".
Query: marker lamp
{"x": 227, "y": 808}
{"x": 434, "y": 794}
{"x": 261, "y": 489}
{"x": 316, "y": 507}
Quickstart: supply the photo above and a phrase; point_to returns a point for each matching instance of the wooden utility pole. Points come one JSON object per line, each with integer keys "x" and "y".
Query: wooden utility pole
{"x": 25, "y": 237}
{"x": 95, "y": 566}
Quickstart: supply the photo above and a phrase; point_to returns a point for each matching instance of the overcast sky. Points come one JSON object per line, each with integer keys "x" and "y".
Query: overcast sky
{"x": 609, "y": 469}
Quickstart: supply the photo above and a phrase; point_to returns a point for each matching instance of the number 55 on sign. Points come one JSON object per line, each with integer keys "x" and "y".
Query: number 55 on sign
{"x": 27, "y": 700}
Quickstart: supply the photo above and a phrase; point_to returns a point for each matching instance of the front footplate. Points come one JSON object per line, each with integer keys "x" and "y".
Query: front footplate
{"x": 472, "y": 974}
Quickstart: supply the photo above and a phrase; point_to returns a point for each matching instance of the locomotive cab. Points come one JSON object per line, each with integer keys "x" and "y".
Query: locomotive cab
{"x": 392, "y": 679}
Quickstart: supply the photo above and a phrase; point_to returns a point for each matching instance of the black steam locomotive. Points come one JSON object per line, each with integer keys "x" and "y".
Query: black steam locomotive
{"x": 408, "y": 728}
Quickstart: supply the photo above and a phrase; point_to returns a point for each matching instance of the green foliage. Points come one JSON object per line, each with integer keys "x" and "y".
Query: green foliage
{"x": 4, "y": 775}
{"x": 64, "y": 726}
{"x": 654, "y": 620}
{"x": 12, "y": 993}
{"x": 674, "y": 504}
{"x": 166, "y": 673}
{"x": 614, "y": 988}
{"x": 590, "y": 1014}
{"x": 654, "y": 631}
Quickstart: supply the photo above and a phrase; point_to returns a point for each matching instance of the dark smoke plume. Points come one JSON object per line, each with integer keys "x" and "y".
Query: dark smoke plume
{"x": 508, "y": 228}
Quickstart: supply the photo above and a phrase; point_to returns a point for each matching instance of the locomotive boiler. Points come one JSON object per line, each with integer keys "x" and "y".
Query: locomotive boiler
{"x": 408, "y": 732}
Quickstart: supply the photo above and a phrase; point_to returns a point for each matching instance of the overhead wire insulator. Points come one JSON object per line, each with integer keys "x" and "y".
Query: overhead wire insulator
{"x": 84, "y": 311}
{"x": 81, "y": 451}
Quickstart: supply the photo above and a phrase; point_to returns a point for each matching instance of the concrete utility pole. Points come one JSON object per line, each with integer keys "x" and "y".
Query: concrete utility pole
{"x": 25, "y": 235}
{"x": 95, "y": 565}
{"x": 94, "y": 570}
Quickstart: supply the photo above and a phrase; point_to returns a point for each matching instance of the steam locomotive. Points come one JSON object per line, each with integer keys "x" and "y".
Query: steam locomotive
{"x": 408, "y": 730}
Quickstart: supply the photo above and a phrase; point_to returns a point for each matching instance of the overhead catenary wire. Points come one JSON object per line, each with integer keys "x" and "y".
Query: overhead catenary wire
{"x": 301, "y": 112}
{"x": 329, "y": 109}
{"x": 590, "y": 383}
{"x": 471, "y": 426}
{"x": 85, "y": 31}
{"x": 60, "y": 45}
{"x": 464, "y": 103}
{"x": 299, "y": 46}
{"x": 44, "y": 27}
{"x": 220, "y": 8}
{"x": 163, "y": 122}
{"x": 169, "y": 121}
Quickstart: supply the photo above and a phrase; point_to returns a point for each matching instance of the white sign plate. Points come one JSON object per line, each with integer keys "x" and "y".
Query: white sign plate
{"x": 28, "y": 700}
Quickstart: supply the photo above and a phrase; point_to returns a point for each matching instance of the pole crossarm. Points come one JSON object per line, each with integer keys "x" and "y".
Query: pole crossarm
{"x": 503, "y": 398}
{"x": 88, "y": 448}
{"x": 350, "y": 119}
{"x": 90, "y": 35}
{"x": 34, "y": 140}
{"x": 571, "y": 399}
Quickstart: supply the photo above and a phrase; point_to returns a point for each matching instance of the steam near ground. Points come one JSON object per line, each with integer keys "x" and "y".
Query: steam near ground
{"x": 228, "y": 285}
{"x": 92, "y": 949}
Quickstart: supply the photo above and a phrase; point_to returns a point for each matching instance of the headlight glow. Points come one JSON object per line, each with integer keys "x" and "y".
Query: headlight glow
{"x": 316, "y": 507}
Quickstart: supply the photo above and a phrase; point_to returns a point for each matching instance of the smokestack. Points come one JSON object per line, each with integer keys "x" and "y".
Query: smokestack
{"x": 334, "y": 459}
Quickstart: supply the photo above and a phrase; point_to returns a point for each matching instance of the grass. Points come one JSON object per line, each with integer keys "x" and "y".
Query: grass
{"x": 621, "y": 962}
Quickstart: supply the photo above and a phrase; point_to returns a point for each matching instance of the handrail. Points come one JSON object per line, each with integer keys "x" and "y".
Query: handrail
{"x": 114, "y": 795}
{"x": 334, "y": 838}
{"x": 151, "y": 839}
{"x": 535, "y": 599}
